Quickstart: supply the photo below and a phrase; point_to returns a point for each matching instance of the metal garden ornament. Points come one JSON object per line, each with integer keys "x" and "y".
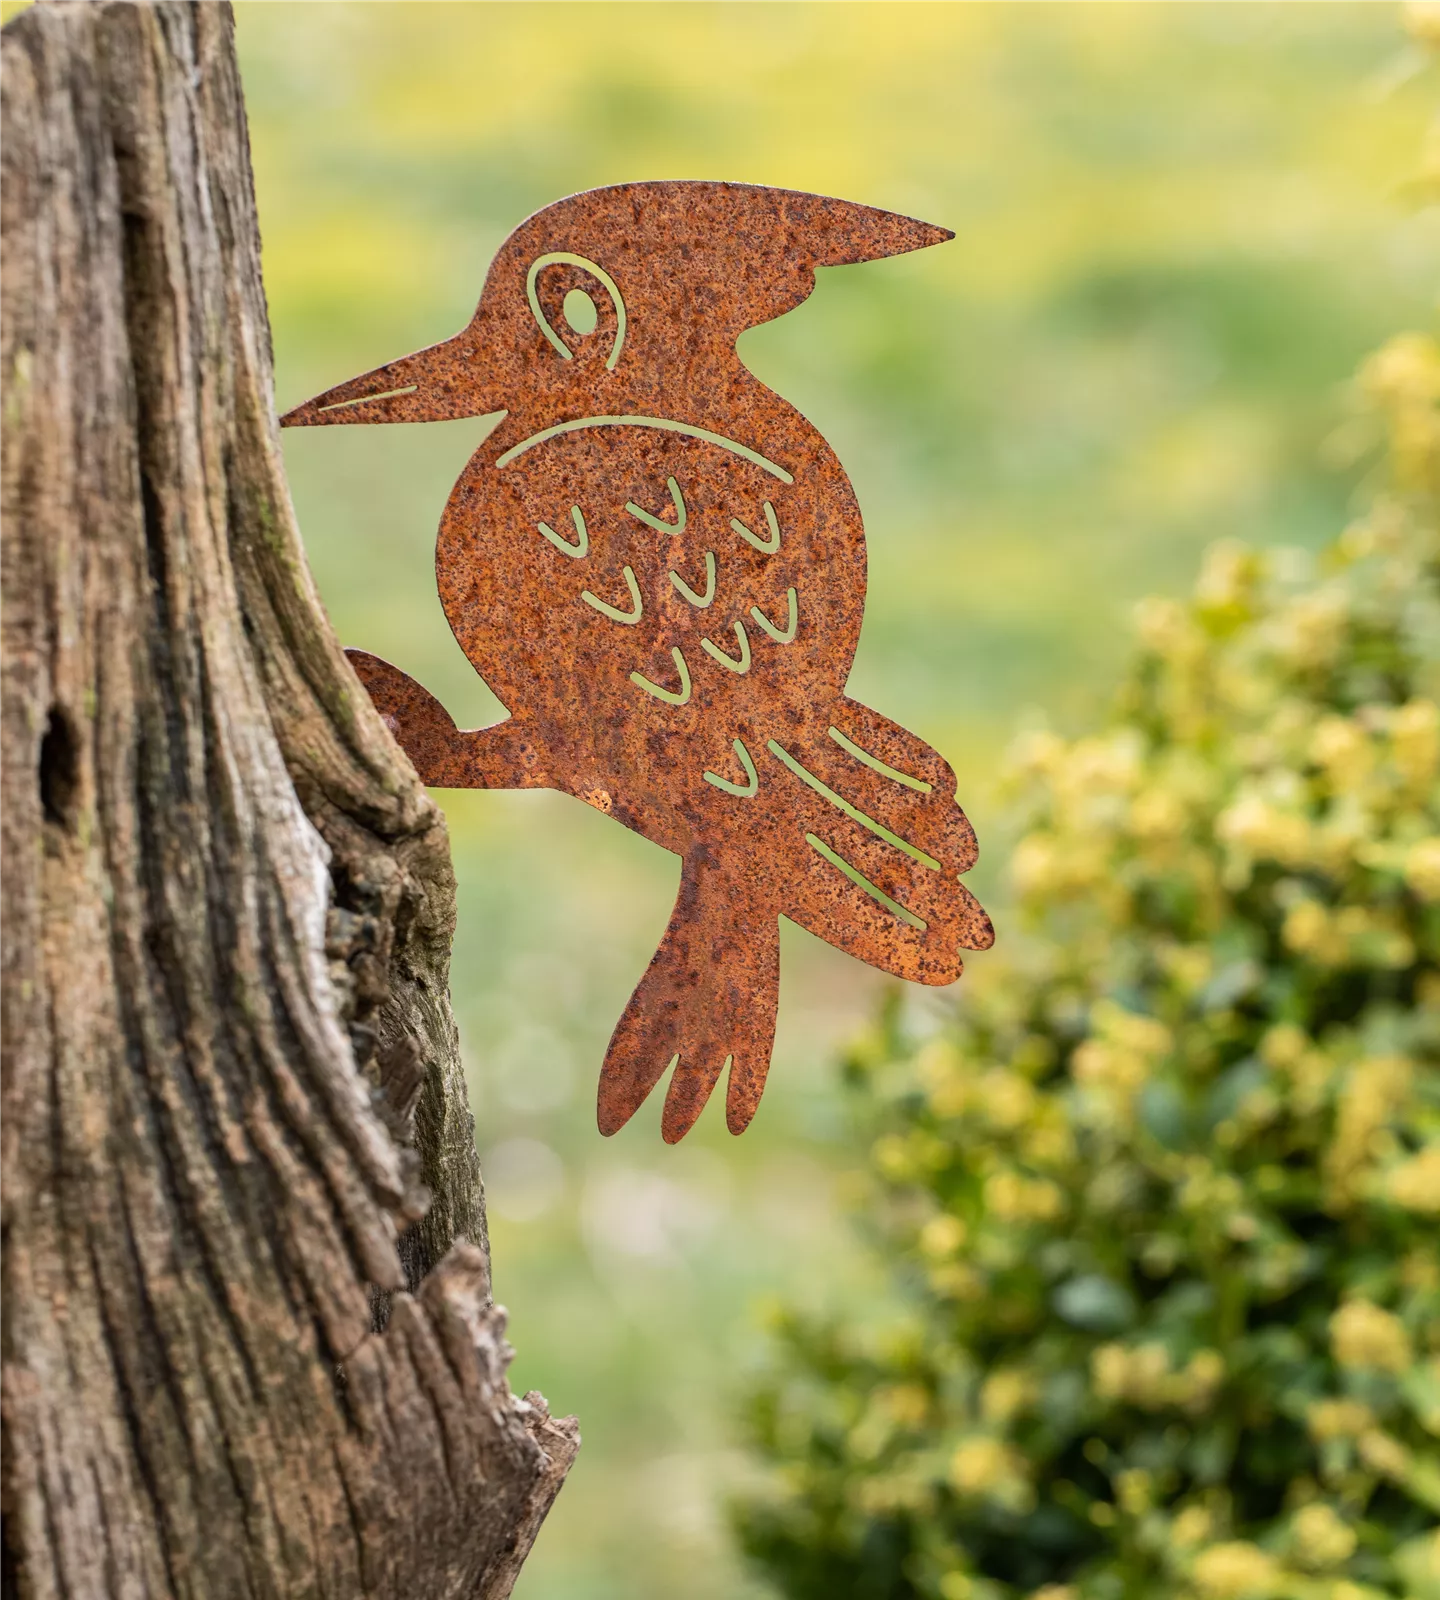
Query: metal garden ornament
{"x": 659, "y": 567}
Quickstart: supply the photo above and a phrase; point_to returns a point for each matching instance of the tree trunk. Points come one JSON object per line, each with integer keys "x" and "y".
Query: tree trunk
{"x": 248, "y": 1341}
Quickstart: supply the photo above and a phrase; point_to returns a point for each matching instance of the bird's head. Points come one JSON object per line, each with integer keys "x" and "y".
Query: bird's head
{"x": 624, "y": 295}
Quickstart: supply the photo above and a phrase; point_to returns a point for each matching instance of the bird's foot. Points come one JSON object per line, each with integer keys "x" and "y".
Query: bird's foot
{"x": 444, "y": 756}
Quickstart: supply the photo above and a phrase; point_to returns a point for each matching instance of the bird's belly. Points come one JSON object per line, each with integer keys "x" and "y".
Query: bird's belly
{"x": 659, "y": 607}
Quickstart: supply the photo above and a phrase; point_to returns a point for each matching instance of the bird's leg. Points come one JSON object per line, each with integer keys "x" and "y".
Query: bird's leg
{"x": 708, "y": 998}
{"x": 444, "y": 756}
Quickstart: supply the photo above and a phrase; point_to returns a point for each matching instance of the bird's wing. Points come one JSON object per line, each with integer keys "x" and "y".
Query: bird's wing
{"x": 886, "y": 846}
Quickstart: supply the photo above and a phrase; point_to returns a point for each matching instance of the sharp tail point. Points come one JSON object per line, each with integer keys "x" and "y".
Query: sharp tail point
{"x": 609, "y": 1124}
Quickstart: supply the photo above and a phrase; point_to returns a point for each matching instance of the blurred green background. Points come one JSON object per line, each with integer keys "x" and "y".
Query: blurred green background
{"x": 1179, "y": 228}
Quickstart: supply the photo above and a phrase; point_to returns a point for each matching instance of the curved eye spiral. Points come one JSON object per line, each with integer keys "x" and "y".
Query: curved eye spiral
{"x": 579, "y": 310}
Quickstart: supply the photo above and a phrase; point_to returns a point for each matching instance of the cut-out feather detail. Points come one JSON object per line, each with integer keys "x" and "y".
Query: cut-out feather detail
{"x": 765, "y": 546}
{"x": 562, "y": 544}
{"x": 743, "y": 790}
{"x": 629, "y": 618}
{"x": 669, "y": 696}
{"x": 775, "y": 633}
{"x": 730, "y": 663}
{"x": 699, "y": 601}
{"x": 657, "y": 523}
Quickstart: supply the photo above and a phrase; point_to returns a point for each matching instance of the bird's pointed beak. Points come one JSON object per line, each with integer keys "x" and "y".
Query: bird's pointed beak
{"x": 439, "y": 384}
{"x": 837, "y": 233}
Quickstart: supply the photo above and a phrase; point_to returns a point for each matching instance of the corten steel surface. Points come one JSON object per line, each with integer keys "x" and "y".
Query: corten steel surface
{"x": 659, "y": 567}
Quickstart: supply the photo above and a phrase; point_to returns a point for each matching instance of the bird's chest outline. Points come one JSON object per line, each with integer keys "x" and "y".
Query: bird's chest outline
{"x": 642, "y": 578}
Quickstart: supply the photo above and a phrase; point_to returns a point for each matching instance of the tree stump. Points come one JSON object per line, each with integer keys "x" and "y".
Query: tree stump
{"x": 248, "y": 1341}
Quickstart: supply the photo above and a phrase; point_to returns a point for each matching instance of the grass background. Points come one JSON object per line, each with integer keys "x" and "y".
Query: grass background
{"x": 1179, "y": 227}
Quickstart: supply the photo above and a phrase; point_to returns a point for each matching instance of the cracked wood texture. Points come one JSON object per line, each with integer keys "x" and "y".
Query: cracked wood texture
{"x": 248, "y": 1341}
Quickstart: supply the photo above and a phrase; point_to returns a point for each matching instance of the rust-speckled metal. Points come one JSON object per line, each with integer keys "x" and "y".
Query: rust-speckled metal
{"x": 659, "y": 567}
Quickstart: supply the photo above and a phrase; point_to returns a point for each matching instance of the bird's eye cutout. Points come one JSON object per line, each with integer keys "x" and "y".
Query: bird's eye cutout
{"x": 578, "y": 309}
{"x": 580, "y": 312}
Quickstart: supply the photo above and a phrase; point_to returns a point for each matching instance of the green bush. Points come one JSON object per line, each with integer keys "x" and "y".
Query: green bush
{"x": 1162, "y": 1199}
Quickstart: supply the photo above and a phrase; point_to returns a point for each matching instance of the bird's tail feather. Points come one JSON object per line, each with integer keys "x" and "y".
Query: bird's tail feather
{"x": 707, "y": 1000}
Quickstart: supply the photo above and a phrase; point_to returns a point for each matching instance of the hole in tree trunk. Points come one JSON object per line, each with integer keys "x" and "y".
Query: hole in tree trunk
{"x": 59, "y": 769}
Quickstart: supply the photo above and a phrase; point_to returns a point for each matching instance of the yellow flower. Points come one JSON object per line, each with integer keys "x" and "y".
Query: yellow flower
{"x": 1013, "y": 1197}
{"x": 906, "y": 1158}
{"x": 1310, "y": 930}
{"x": 1035, "y": 754}
{"x": 1343, "y": 748}
{"x": 1105, "y": 764}
{"x": 1006, "y": 1098}
{"x": 1102, "y": 1066}
{"x": 1118, "y": 1057}
{"x": 1404, "y": 371}
{"x": 1157, "y": 814}
{"x": 892, "y": 1158}
{"x": 954, "y": 1097}
{"x": 1258, "y": 1108}
{"x": 1320, "y": 1538}
{"x": 1189, "y": 966}
{"x": 1109, "y": 1371}
{"x": 1384, "y": 1454}
{"x": 1235, "y": 1571}
{"x": 1365, "y": 1335}
{"x": 1415, "y": 1184}
{"x": 1373, "y": 1091}
{"x": 904, "y": 1403}
{"x": 1337, "y": 1419}
{"x": 1415, "y": 741}
{"x": 1048, "y": 1144}
{"x": 1422, "y": 868}
{"x": 1264, "y": 831}
{"x": 1229, "y": 573}
{"x": 1310, "y": 630}
{"x": 1424, "y": 1564}
{"x": 955, "y": 1281}
{"x": 982, "y": 1465}
{"x": 1146, "y": 1035}
{"x": 1210, "y": 1192}
{"x": 1035, "y": 865}
{"x": 1284, "y": 1045}
{"x": 884, "y": 1497}
{"x": 1162, "y": 624}
{"x": 1288, "y": 1049}
{"x": 1005, "y": 1394}
{"x": 942, "y": 1236}
{"x": 1140, "y": 1374}
{"x": 1202, "y": 1376}
{"x": 938, "y": 1064}
{"x": 1134, "y": 1490}
{"x": 1191, "y": 1527}
{"x": 1422, "y": 22}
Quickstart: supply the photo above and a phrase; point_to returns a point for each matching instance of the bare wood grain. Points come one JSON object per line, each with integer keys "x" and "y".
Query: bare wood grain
{"x": 248, "y": 1341}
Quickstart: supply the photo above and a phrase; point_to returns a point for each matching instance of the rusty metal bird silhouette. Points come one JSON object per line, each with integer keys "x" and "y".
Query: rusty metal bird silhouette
{"x": 659, "y": 567}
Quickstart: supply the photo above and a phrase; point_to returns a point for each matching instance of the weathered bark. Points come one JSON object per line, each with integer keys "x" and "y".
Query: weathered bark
{"x": 241, "y": 1356}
